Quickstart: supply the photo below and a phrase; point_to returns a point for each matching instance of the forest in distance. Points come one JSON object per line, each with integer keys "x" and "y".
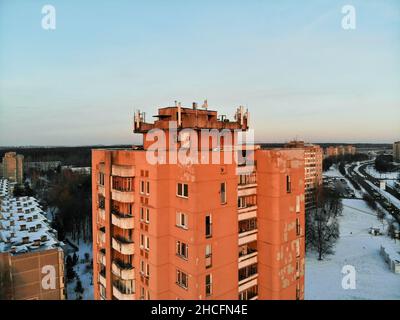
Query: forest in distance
{"x": 80, "y": 156}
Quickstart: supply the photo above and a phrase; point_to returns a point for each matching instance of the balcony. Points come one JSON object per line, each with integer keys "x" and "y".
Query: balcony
{"x": 123, "y": 171}
{"x": 123, "y": 245}
{"x": 247, "y": 212}
{"x": 123, "y": 221}
{"x": 102, "y": 277}
{"x": 247, "y": 236}
{"x": 102, "y": 215}
{"x": 125, "y": 271}
{"x": 122, "y": 196}
{"x": 102, "y": 257}
{"x": 122, "y": 293}
{"x": 247, "y": 190}
{"x": 101, "y": 190}
{"x": 248, "y": 284}
{"x": 102, "y": 235}
{"x": 248, "y": 259}
{"x": 247, "y": 274}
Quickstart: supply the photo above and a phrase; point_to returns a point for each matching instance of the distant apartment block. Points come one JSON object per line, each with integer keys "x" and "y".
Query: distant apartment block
{"x": 336, "y": 151}
{"x": 313, "y": 155}
{"x": 42, "y": 165}
{"x": 396, "y": 151}
{"x": 229, "y": 230}
{"x": 13, "y": 167}
{"x": 31, "y": 257}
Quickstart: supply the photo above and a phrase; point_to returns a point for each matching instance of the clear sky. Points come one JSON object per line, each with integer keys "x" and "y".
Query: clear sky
{"x": 289, "y": 61}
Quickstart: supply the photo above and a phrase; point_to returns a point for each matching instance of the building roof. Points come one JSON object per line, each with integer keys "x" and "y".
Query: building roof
{"x": 23, "y": 225}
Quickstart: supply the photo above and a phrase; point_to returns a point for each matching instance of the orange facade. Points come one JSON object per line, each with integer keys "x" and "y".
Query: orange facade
{"x": 197, "y": 231}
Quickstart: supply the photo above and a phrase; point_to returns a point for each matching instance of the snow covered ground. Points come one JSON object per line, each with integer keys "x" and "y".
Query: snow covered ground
{"x": 333, "y": 172}
{"x": 85, "y": 274}
{"x": 358, "y": 248}
{"x": 388, "y": 175}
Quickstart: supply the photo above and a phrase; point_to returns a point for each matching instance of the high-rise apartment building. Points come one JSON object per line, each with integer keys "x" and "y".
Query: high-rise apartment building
{"x": 396, "y": 151}
{"x": 335, "y": 151}
{"x": 31, "y": 257}
{"x": 197, "y": 230}
{"x": 313, "y": 155}
{"x": 13, "y": 167}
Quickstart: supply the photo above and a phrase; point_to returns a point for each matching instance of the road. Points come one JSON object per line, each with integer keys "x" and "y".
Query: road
{"x": 376, "y": 181}
{"x": 362, "y": 181}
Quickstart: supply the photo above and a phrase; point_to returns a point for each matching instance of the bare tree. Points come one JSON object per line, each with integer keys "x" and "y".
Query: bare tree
{"x": 380, "y": 215}
{"x": 322, "y": 223}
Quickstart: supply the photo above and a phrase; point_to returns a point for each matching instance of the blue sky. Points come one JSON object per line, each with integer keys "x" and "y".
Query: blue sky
{"x": 290, "y": 62}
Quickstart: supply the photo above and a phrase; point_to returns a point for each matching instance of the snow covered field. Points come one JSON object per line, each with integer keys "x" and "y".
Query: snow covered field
{"x": 333, "y": 172}
{"x": 355, "y": 247}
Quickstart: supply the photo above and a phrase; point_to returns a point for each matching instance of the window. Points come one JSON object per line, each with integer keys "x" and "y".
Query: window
{"x": 208, "y": 226}
{"x": 208, "y": 256}
{"x": 141, "y": 214}
{"x": 288, "y": 185}
{"x": 297, "y": 204}
{"x": 101, "y": 178}
{"x": 142, "y": 240}
{"x": 122, "y": 184}
{"x": 181, "y": 220}
{"x": 248, "y": 225}
{"x": 222, "y": 192}
{"x": 297, "y": 269}
{"x": 298, "y": 229}
{"x": 181, "y": 249}
{"x": 147, "y": 270}
{"x": 247, "y": 272}
{"x": 102, "y": 291}
{"x": 183, "y": 190}
{"x": 249, "y": 293}
{"x": 208, "y": 285}
{"x": 147, "y": 215}
{"x": 142, "y": 267}
{"x": 147, "y": 243}
{"x": 102, "y": 202}
{"x": 142, "y": 187}
{"x": 142, "y": 293}
{"x": 181, "y": 279}
{"x": 147, "y": 187}
{"x": 297, "y": 245}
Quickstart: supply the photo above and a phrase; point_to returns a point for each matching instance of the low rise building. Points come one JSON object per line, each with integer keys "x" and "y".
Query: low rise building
{"x": 31, "y": 257}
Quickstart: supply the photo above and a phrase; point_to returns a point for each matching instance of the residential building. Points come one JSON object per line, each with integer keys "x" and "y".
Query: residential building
{"x": 13, "y": 167}
{"x": 335, "y": 151}
{"x": 225, "y": 230}
{"x": 31, "y": 257}
{"x": 396, "y": 151}
{"x": 313, "y": 155}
